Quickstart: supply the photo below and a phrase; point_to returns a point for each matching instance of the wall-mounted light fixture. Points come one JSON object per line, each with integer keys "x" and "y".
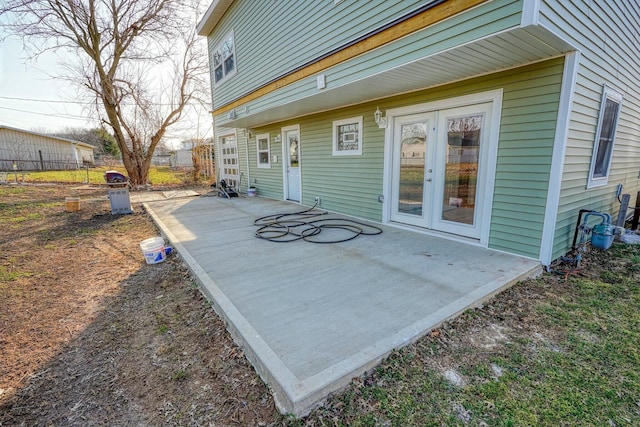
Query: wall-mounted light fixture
{"x": 277, "y": 139}
{"x": 247, "y": 133}
{"x": 381, "y": 121}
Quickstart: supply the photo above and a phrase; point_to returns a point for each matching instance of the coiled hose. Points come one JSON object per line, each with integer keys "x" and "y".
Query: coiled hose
{"x": 306, "y": 225}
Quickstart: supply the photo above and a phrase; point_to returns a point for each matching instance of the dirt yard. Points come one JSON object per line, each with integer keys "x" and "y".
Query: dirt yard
{"x": 92, "y": 335}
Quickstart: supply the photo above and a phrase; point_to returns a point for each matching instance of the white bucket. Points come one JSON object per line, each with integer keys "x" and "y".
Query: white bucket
{"x": 251, "y": 192}
{"x": 153, "y": 250}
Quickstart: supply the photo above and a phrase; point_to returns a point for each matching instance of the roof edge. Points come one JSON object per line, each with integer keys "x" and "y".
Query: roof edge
{"x": 72, "y": 141}
{"x": 212, "y": 16}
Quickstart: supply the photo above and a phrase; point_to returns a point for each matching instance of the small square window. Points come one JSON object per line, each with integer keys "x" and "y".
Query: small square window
{"x": 605, "y": 138}
{"x": 347, "y": 137}
{"x": 264, "y": 151}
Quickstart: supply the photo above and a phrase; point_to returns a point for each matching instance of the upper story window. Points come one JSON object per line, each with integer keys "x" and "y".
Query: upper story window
{"x": 605, "y": 138}
{"x": 224, "y": 59}
{"x": 347, "y": 137}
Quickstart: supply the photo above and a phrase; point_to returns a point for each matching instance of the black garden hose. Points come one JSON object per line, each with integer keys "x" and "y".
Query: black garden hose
{"x": 305, "y": 225}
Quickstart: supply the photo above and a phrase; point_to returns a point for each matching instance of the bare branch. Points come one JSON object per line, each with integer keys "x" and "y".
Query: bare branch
{"x": 139, "y": 60}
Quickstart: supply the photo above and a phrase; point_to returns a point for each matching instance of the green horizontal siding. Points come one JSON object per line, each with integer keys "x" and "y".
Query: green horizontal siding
{"x": 351, "y": 185}
{"x": 266, "y": 49}
{"x": 606, "y": 34}
{"x": 346, "y": 184}
{"x": 276, "y": 37}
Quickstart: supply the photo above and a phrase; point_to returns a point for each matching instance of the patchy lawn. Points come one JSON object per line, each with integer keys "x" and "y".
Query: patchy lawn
{"x": 91, "y": 335}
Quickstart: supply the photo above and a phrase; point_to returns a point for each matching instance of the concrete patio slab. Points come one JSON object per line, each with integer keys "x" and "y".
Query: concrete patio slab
{"x": 310, "y": 317}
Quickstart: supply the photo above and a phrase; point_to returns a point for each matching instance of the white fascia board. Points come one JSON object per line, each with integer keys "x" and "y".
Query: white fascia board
{"x": 530, "y": 13}
{"x": 212, "y": 16}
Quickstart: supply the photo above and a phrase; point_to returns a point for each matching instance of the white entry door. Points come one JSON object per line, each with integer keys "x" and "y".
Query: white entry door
{"x": 291, "y": 148}
{"x": 439, "y": 171}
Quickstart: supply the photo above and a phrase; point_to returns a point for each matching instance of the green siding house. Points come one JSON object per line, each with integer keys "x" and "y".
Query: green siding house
{"x": 487, "y": 121}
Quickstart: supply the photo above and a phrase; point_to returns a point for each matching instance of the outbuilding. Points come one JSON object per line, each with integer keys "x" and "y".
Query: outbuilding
{"x": 26, "y": 151}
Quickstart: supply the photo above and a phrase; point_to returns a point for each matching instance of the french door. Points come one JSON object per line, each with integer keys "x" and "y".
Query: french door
{"x": 438, "y": 169}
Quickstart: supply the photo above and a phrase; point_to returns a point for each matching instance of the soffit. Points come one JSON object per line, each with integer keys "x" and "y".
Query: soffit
{"x": 511, "y": 49}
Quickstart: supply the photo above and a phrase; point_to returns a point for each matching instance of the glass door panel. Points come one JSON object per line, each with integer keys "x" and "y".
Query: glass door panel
{"x": 461, "y": 168}
{"x": 460, "y": 193}
{"x": 292, "y": 156}
{"x": 413, "y": 146}
{"x": 412, "y": 167}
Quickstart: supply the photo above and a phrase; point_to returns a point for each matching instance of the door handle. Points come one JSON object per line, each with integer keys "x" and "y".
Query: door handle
{"x": 428, "y": 179}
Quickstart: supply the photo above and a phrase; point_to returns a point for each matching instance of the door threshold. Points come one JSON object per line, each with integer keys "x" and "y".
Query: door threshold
{"x": 435, "y": 233}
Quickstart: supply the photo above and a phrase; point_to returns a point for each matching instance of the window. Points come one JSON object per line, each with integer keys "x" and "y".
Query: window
{"x": 347, "y": 137}
{"x": 224, "y": 59}
{"x": 605, "y": 138}
{"x": 264, "y": 151}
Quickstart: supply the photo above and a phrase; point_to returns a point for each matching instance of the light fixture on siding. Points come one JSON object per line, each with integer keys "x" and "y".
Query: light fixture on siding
{"x": 277, "y": 139}
{"x": 381, "y": 121}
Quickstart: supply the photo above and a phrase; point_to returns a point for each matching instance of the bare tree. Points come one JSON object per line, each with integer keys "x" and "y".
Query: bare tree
{"x": 139, "y": 60}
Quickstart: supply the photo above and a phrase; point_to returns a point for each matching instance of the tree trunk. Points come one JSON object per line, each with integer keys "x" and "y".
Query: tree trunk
{"x": 116, "y": 41}
{"x": 137, "y": 166}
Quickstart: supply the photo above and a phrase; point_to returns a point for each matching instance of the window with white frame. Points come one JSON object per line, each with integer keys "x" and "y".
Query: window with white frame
{"x": 224, "y": 59}
{"x": 264, "y": 151}
{"x": 605, "y": 138}
{"x": 347, "y": 137}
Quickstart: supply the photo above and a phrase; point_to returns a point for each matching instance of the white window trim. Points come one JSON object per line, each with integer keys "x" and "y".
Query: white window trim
{"x": 268, "y": 151}
{"x": 607, "y": 94}
{"x": 235, "y": 62}
{"x": 336, "y": 124}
